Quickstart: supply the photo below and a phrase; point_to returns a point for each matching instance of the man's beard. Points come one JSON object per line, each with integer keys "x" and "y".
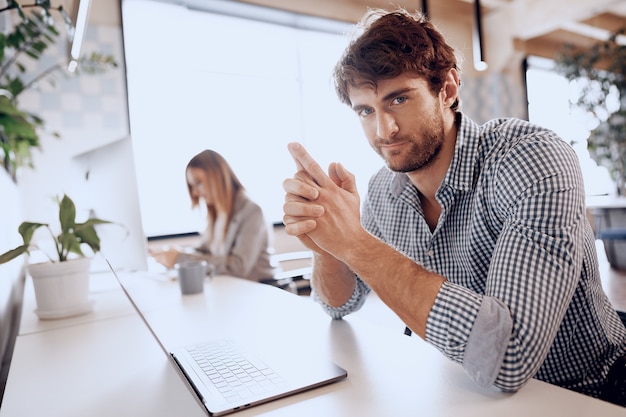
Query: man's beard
{"x": 423, "y": 151}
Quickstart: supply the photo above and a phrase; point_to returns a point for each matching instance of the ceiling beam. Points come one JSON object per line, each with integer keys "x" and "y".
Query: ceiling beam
{"x": 608, "y": 21}
{"x": 533, "y": 18}
{"x": 538, "y": 27}
{"x": 552, "y": 44}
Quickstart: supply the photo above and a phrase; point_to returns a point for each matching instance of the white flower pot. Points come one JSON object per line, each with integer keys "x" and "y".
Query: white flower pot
{"x": 61, "y": 288}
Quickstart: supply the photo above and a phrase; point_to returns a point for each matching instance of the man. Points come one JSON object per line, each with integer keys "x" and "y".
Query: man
{"x": 475, "y": 236}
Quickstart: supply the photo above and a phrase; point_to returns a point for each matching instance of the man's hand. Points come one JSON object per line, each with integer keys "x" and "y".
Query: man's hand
{"x": 322, "y": 210}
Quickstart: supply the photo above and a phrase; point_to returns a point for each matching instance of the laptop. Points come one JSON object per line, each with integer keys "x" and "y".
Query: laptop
{"x": 227, "y": 376}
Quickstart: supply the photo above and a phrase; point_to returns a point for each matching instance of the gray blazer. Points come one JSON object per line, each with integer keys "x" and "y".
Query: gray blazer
{"x": 247, "y": 242}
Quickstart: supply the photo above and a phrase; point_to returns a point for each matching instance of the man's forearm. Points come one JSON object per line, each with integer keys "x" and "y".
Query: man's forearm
{"x": 332, "y": 280}
{"x": 406, "y": 287}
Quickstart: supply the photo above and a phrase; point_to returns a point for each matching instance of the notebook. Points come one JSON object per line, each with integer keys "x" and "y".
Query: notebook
{"x": 227, "y": 376}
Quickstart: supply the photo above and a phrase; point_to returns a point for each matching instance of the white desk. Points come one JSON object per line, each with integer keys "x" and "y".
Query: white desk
{"x": 75, "y": 367}
{"x": 109, "y": 302}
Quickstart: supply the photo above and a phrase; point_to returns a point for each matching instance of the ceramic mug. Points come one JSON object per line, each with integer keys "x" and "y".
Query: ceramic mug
{"x": 191, "y": 275}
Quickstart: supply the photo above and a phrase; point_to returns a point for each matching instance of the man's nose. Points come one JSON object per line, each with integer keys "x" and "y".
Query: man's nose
{"x": 386, "y": 125}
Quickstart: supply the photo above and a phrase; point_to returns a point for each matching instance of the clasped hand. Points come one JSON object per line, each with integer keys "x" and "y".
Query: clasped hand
{"x": 322, "y": 210}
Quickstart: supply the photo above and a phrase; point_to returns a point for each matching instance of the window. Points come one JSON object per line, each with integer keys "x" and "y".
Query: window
{"x": 549, "y": 96}
{"x": 241, "y": 86}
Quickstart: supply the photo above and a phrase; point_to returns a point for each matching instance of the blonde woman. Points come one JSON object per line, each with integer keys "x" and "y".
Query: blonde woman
{"x": 236, "y": 239}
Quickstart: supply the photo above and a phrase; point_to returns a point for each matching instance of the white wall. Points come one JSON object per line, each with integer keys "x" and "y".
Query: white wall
{"x": 87, "y": 111}
{"x": 90, "y": 113}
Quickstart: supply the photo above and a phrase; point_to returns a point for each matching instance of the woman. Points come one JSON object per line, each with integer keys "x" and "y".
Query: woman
{"x": 236, "y": 240}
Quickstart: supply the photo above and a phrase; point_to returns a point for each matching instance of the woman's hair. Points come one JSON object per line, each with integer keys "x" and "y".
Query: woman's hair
{"x": 223, "y": 185}
{"x": 388, "y": 44}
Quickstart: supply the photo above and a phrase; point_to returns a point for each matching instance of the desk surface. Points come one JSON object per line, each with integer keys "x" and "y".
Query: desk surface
{"x": 109, "y": 302}
{"x": 107, "y": 362}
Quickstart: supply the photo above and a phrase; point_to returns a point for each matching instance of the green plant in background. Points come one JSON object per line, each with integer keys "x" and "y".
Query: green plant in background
{"x": 604, "y": 66}
{"x": 33, "y": 32}
{"x": 69, "y": 240}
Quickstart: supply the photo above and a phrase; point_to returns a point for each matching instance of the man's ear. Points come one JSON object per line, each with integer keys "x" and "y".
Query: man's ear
{"x": 450, "y": 90}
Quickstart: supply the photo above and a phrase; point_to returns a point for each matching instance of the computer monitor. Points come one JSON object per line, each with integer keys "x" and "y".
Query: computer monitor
{"x": 105, "y": 186}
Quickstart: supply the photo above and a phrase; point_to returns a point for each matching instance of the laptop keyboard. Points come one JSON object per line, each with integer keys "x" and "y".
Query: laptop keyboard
{"x": 235, "y": 374}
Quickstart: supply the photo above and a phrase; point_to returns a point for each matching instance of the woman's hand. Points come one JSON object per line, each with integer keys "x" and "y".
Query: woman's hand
{"x": 166, "y": 256}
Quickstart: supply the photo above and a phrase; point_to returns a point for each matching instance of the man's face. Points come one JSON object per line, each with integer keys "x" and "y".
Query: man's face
{"x": 402, "y": 120}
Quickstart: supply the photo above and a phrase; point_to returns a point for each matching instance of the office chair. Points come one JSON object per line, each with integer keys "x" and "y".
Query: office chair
{"x": 294, "y": 271}
{"x": 293, "y": 261}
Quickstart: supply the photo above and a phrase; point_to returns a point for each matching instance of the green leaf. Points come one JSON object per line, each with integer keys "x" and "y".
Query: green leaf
{"x": 87, "y": 234}
{"x": 8, "y": 107}
{"x": 27, "y": 230}
{"x": 13, "y": 253}
{"x": 19, "y": 129}
{"x": 2, "y": 46}
{"x": 91, "y": 222}
{"x": 67, "y": 214}
{"x": 69, "y": 243}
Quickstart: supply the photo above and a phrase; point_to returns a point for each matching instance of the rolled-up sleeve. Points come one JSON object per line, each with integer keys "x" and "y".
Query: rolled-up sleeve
{"x": 359, "y": 295}
{"x": 486, "y": 320}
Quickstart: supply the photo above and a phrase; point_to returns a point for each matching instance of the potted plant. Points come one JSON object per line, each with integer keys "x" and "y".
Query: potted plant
{"x": 33, "y": 32}
{"x": 601, "y": 72}
{"x": 601, "y": 69}
{"x": 62, "y": 283}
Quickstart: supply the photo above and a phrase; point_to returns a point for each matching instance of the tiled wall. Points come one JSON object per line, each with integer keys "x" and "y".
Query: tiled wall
{"x": 494, "y": 95}
{"x": 88, "y": 111}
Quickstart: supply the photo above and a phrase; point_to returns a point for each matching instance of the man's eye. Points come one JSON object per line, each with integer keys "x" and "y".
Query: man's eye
{"x": 365, "y": 112}
{"x": 399, "y": 100}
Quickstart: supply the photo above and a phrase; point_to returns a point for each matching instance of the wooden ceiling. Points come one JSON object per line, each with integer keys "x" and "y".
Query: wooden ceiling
{"x": 510, "y": 27}
{"x": 578, "y": 22}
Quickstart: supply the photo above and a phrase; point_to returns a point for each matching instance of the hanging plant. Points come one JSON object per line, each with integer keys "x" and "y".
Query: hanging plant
{"x": 33, "y": 32}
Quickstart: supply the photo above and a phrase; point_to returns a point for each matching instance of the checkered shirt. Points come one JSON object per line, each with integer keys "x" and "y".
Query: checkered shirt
{"x": 523, "y": 296}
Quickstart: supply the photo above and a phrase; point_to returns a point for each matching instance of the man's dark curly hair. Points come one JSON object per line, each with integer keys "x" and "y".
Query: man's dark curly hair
{"x": 391, "y": 44}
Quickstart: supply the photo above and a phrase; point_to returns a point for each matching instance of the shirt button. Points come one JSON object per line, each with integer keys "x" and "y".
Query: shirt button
{"x": 430, "y": 253}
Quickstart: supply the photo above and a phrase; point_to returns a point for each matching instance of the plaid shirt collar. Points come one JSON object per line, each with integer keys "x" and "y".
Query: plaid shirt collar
{"x": 460, "y": 175}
